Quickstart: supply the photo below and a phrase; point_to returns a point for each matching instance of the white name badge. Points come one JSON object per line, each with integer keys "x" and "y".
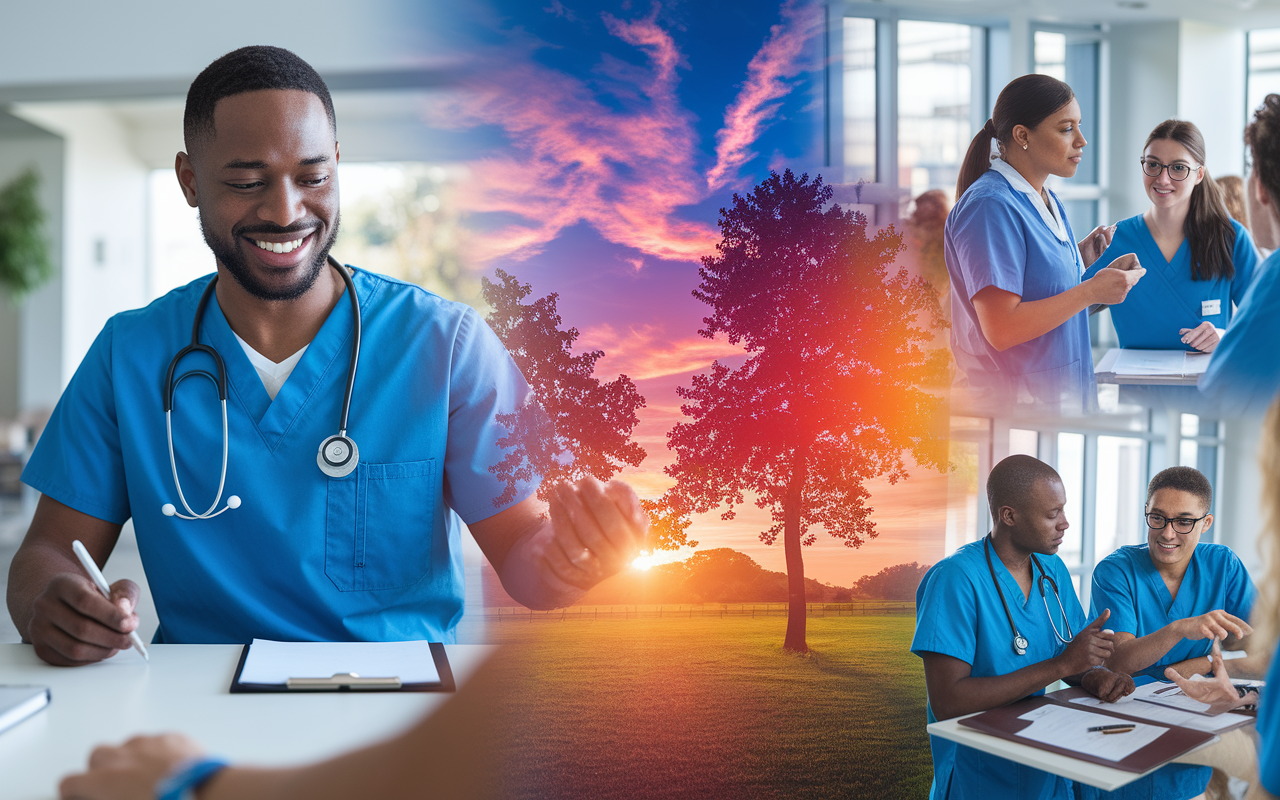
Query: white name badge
{"x": 1210, "y": 307}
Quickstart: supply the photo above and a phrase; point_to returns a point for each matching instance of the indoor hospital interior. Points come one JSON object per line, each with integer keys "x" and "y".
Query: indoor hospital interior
{"x": 906, "y": 86}
{"x": 914, "y": 81}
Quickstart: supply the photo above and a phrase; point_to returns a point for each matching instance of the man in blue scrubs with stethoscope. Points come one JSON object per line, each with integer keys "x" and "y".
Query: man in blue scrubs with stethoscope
{"x": 999, "y": 620}
{"x": 336, "y": 492}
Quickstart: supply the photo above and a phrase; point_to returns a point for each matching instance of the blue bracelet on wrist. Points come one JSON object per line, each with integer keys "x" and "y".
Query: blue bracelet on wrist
{"x": 187, "y": 777}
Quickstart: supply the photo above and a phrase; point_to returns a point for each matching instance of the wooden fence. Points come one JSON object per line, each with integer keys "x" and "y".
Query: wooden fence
{"x": 870, "y": 608}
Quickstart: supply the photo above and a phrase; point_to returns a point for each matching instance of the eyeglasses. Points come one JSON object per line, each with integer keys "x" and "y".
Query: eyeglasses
{"x": 1177, "y": 171}
{"x": 1156, "y": 522}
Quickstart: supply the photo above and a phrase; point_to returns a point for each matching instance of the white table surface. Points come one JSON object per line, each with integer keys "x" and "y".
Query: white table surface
{"x": 185, "y": 689}
{"x": 1107, "y": 778}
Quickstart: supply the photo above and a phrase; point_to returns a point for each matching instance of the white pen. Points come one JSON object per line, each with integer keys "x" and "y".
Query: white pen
{"x": 96, "y": 574}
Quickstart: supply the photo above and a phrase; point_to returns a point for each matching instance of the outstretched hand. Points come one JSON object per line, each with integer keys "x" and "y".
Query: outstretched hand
{"x": 1217, "y": 692}
{"x": 1091, "y": 647}
{"x": 598, "y": 529}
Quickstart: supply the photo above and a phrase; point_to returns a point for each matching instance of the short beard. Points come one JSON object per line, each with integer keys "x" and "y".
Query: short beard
{"x": 231, "y": 256}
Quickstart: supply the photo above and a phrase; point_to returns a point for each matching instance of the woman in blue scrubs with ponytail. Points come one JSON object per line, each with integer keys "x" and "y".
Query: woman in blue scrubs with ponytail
{"x": 1020, "y": 332}
{"x": 1201, "y": 260}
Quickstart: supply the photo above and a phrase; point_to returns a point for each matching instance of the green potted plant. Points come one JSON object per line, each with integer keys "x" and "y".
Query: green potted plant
{"x": 24, "y": 251}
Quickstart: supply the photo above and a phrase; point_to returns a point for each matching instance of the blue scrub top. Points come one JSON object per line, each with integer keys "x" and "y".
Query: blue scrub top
{"x": 374, "y": 556}
{"x": 1269, "y": 730}
{"x": 1127, "y": 583}
{"x": 1167, "y": 299}
{"x": 995, "y": 237}
{"x": 959, "y": 614}
{"x": 1244, "y": 372}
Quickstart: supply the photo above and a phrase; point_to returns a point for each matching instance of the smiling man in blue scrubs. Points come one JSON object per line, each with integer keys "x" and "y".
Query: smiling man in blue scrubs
{"x": 976, "y": 608}
{"x": 1169, "y": 599}
{"x": 370, "y": 555}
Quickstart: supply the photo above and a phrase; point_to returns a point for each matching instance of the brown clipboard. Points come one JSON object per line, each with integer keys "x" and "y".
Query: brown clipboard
{"x": 1004, "y": 723}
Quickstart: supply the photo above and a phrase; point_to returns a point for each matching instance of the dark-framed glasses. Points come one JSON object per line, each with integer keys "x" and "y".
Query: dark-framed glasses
{"x": 1177, "y": 170}
{"x": 1156, "y": 522}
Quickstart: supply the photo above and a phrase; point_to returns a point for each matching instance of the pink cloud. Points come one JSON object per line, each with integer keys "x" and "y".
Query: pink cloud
{"x": 573, "y": 159}
{"x": 781, "y": 57}
{"x": 643, "y": 352}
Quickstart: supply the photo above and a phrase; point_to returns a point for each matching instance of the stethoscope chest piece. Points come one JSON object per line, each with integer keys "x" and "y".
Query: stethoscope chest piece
{"x": 1020, "y": 644}
{"x": 338, "y": 456}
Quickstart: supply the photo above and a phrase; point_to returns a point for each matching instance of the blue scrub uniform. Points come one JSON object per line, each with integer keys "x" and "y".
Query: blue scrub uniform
{"x": 373, "y": 556}
{"x": 959, "y": 614}
{"x": 1127, "y": 583}
{"x": 1269, "y": 731}
{"x": 1244, "y": 372}
{"x": 995, "y": 236}
{"x": 1167, "y": 299}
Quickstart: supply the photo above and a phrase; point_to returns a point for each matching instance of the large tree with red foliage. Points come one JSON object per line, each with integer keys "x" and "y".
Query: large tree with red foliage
{"x": 830, "y": 395}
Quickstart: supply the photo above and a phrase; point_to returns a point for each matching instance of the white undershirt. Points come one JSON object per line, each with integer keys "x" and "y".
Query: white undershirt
{"x": 273, "y": 375}
{"x": 1048, "y": 213}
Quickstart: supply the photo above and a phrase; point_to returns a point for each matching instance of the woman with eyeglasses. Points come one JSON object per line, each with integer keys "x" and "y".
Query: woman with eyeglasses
{"x": 1200, "y": 260}
{"x": 1020, "y": 330}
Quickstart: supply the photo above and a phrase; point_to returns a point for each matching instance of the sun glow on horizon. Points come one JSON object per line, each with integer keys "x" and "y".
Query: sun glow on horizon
{"x": 649, "y": 559}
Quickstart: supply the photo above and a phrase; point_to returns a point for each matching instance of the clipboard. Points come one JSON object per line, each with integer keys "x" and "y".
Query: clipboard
{"x": 348, "y": 682}
{"x": 1004, "y": 723}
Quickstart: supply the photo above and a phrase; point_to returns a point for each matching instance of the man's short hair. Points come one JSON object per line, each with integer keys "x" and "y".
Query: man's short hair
{"x": 249, "y": 69}
{"x": 1184, "y": 479}
{"x": 1011, "y": 481}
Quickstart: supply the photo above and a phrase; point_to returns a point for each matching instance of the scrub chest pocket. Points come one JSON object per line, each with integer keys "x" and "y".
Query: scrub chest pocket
{"x": 379, "y": 526}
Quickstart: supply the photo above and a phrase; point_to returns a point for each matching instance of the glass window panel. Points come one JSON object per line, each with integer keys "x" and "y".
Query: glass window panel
{"x": 1051, "y": 54}
{"x": 1264, "y": 67}
{"x": 963, "y": 524}
{"x": 934, "y": 84}
{"x": 1083, "y": 76}
{"x": 860, "y": 98}
{"x": 1188, "y": 453}
{"x": 1189, "y": 425}
{"x": 1082, "y": 214}
{"x": 1023, "y": 442}
{"x": 1071, "y": 468}
{"x": 1121, "y": 492}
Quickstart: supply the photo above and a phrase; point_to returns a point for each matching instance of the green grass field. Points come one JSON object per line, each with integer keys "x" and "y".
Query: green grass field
{"x": 714, "y": 708}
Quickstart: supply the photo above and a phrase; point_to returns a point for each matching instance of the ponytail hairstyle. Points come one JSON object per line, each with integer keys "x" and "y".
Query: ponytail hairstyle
{"x": 1210, "y": 235}
{"x": 1263, "y": 137}
{"x": 1026, "y": 101}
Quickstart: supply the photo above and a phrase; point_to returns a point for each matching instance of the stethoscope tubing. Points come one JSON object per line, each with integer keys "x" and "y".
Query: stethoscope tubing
{"x": 171, "y": 385}
{"x": 1019, "y": 641}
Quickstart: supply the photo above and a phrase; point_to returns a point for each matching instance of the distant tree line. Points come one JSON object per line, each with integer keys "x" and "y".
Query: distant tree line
{"x": 723, "y": 575}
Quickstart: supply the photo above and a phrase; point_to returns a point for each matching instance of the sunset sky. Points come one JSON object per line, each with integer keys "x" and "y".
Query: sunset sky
{"x": 602, "y": 140}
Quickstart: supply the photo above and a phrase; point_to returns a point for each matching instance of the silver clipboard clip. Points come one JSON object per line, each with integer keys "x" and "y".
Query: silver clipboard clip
{"x": 341, "y": 680}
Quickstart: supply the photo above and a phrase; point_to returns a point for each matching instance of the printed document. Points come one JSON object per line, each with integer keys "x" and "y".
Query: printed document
{"x": 1068, "y": 728}
{"x": 1166, "y": 714}
{"x": 277, "y": 662}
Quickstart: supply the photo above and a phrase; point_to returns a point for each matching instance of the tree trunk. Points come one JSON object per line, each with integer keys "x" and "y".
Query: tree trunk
{"x": 796, "y": 610}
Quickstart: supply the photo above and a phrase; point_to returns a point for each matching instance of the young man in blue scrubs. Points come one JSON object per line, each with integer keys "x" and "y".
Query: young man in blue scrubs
{"x": 308, "y": 555}
{"x": 1169, "y": 599}
{"x": 980, "y": 606}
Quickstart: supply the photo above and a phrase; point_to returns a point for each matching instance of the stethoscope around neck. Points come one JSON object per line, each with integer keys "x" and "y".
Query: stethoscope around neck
{"x": 338, "y": 454}
{"x": 1020, "y": 643}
